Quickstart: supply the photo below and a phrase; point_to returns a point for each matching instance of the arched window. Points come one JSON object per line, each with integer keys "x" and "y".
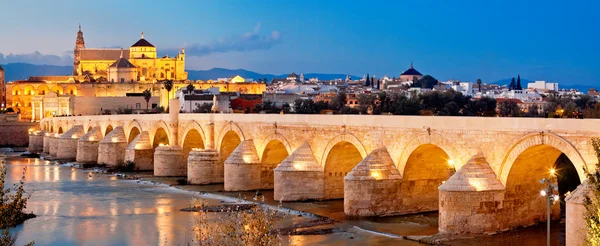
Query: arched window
{"x": 144, "y": 70}
{"x": 122, "y": 80}
{"x": 71, "y": 92}
{"x": 143, "y": 55}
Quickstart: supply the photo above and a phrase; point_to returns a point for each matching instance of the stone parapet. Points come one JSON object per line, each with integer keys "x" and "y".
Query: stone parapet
{"x": 242, "y": 168}
{"x": 140, "y": 152}
{"x": 111, "y": 149}
{"x": 168, "y": 162}
{"x": 576, "y": 233}
{"x": 299, "y": 177}
{"x": 373, "y": 186}
{"x": 87, "y": 146}
{"x": 204, "y": 167}
{"x": 68, "y": 143}
{"x": 471, "y": 200}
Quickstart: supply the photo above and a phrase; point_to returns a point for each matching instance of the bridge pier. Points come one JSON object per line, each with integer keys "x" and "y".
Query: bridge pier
{"x": 203, "y": 167}
{"x": 46, "y": 148}
{"x": 140, "y": 152}
{"x": 242, "y": 168}
{"x": 373, "y": 186}
{"x": 472, "y": 200}
{"x": 68, "y": 143}
{"x": 168, "y": 162}
{"x": 87, "y": 146}
{"x": 575, "y": 215}
{"x": 111, "y": 149}
{"x": 36, "y": 141}
{"x": 299, "y": 177}
{"x": 53, "y": 142}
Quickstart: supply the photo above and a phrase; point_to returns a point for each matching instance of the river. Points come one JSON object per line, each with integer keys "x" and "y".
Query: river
{"x": 76, "y": 207}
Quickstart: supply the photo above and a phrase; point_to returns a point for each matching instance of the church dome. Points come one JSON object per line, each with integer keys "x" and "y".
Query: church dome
{"x": 122, "y": 63}
{"x": 142, "y": 43}
{"x": 411, "y": 71}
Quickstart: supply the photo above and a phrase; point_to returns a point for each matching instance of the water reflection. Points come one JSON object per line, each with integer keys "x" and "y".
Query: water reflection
{"x": 76, "y": 208}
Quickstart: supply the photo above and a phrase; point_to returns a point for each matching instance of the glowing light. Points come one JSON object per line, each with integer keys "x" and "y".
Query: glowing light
{"x": 196, "y": 149}
{"x": 552, "y": 171}
{"x": 246, "y": 227}
{"x": 451, "y": 163}
{"x": 92, "y": 138}
{"x": 298, "y": 166}
{"x": 476, "y": 183}
{"x": 74, "y": 136}
{"x": 556, "y": 198}
{"x": 161, "y": 144}
{"x": 47, "y": 134}
{"x": 543, "y": 192}
{"x": 376, "y": 174}
{"x": 31, "y": 129}
{"x": 115, "y": 139}
{"x": 247, "y": 159}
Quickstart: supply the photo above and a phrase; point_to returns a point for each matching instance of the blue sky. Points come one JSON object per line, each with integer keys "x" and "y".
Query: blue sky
{"x": 466, "y": 40}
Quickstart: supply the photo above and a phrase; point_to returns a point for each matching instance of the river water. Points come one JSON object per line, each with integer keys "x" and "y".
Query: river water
{"x": 76, "y": 207}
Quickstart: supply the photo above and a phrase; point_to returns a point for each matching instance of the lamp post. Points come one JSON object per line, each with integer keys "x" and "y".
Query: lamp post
{"x": 548, "y": 191}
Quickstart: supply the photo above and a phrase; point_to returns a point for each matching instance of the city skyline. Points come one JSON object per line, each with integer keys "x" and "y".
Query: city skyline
{"x": 541, "y": 40}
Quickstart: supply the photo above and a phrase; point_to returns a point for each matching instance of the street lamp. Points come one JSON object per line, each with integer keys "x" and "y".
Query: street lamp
{"x": 548, "y": 191}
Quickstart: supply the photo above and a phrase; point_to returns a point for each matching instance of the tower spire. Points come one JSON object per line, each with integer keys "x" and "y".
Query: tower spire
{"x": 142, "y": 35}
{"x": 411, "y": 65}
{"x": 121, "y": 53}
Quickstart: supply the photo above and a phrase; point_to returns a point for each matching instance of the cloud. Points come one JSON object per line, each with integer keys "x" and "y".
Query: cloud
{"x": 246, "y": 42}
{"x": 37, "y": 58}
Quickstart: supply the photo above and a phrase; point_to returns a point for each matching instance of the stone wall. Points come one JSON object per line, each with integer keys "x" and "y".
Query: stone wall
{"x": 16, "y": 134}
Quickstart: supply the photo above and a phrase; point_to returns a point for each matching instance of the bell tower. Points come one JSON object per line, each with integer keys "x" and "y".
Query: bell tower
{"x": 79, "y": 45}
{"x": 2, "y": 88}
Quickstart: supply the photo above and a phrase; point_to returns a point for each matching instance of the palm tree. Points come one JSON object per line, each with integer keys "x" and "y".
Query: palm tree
{"x": 168, "y": 86}
{"x": 190, "y": 87}
{"x": 147, "y": 95}
{"x": 479, "y": 84}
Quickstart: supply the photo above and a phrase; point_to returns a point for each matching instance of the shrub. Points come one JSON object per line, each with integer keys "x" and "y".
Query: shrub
{"x": 592, "y": 201}
{"x": 12, "y": 207}
{"x": 128, "y": 166}
{"x": 254, "y": 226}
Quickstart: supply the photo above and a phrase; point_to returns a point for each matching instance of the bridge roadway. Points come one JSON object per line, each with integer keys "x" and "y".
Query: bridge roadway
{"x": 481, "y": 173}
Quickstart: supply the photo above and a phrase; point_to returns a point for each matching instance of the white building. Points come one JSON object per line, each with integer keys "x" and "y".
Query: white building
{"x": 543, "y": 85}
{"x": 466, "y": 88}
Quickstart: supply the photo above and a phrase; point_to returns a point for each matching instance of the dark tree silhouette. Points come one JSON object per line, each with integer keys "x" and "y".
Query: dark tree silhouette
{"x": 147, "y": 95}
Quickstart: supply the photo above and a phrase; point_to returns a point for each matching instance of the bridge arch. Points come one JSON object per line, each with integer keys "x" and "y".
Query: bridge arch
{"x": 161, "y": 134}
{"x": 533, "y": 140}
{"x": 193, "y": 127}
{"x": 231, "y": 127}
{"x": 429, "y": 139}
{"x": 274, "y": 137}
{"x": 134, "y": 128}
{"x": 60, "y": 130}
{"x": 530, "y": 160}
{"x": 108, "y": 129}
{"x": 341, "y": 155}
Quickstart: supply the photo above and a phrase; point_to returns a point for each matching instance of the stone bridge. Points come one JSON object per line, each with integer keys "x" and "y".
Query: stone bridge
{"x": 481, "y": 173}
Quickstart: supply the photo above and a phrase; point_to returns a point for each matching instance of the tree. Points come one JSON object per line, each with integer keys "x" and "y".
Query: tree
{"x": 168, "y": 86}
{"x": 519, "y": 87}
{"x": 364, "y": 101}
{"x": 592, "y": 199}
{"x": 483, "y": 106}
{"x": 203, "y": 108}
{"x": 533, "y": 111}
{"x": 512, "y": 85}
{"x": 570, "y": 110}
{"x": 338, "y": 101}
{"x": 367, "y": 81}
{"x": 426, "y": 82}
{"x": 190, "y": 88}
{"x": 509, "y": 109}
{"x": 378, "y": 84}
{"x": 147, "y": 96}
{"x": 479, "y": 84}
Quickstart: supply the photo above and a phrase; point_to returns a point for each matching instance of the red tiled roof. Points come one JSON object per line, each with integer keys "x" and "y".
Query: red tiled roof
{"x": 102, "y": 54}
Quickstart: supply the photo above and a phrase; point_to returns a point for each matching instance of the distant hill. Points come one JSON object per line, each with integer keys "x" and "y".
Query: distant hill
{"x": 20, "y": 71}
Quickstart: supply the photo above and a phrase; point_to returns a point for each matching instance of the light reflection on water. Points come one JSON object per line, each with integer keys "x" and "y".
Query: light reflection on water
{"x": 76, "y": 208}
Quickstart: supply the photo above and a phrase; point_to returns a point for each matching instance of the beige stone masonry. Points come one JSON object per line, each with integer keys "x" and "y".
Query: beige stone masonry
{"x": 68, "y": 143}
{"x": 242, "y": 168}
{"x": 204, "y": 167}
{"x": 46, "y": 148}
{"x": 53, "y": 142}
{"x": 36, "y": 141}
{"x": 470, "y": 201}
{"x": 168, "y": 162}
{"x": 575, "y": 215}
{"x": 111, "y": 149}
{"x": 373, "y": 186}
{"x": 299, "y": 177}
{"x": 87, "y": 146}
{"x": 140, "y": 152}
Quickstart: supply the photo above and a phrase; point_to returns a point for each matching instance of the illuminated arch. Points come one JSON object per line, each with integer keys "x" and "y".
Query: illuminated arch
{"x": 275, "y": 136}
{"x": 16, "y": 90}
{"x": 108, "y": 129}
{"x": 434, "y": 139}
{"x": 538, "y": 139}
{"x": 229, "y": 127}
{"x": 157, "y": 129}
{"x": 347, "y": 137}
{"x": 28, "y": 90}
{"x": 341, "y": 158}
{"x": 193, "y": 126}
{"x": 71, "y": 90}
{"x": 57, "y": 89}
{"x": 130, "y": 127}
{"x": 42, "y": 90}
